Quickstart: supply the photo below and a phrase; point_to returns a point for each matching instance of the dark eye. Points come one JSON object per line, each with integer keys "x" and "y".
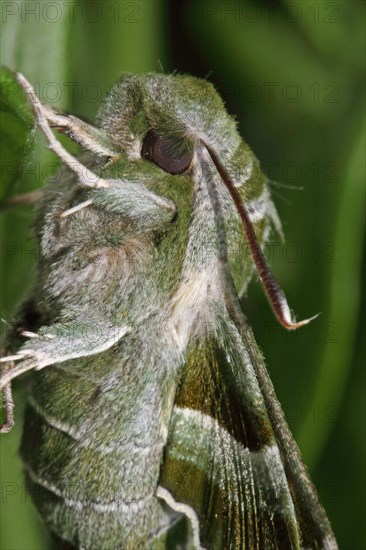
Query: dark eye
{"x": 168, "y": 154}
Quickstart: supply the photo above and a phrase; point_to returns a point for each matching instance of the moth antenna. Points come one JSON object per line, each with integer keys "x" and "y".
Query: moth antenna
{"x": 275, "y": 295}
{"x": 76, "y": 208}
{"x": 87, "y": 178}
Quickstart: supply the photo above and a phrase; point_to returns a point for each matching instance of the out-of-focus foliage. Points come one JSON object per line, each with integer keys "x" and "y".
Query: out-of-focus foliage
{"x": 293, "y": 74}
{"x": 16, "y": 123}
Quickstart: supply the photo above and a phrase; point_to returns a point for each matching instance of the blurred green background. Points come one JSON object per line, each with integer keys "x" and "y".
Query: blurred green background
{"x": 293, "y": 75}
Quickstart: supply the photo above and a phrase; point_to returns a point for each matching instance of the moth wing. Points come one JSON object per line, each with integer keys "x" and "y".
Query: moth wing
{"x": 223, "y": 466}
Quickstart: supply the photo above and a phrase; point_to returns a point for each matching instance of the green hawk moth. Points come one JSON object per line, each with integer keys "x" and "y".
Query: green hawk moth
{"x": 151, "y": 420}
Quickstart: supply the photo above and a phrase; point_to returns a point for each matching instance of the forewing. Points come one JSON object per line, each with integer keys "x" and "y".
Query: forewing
{"x": 231, "y": 464}
{"x": 222, "y": 459}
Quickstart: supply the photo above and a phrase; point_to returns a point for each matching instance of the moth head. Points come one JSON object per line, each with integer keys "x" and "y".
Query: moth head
{"x": 176, "y": 107}
{"x": 178, "y": 124}
{"x": 174, "y": 122}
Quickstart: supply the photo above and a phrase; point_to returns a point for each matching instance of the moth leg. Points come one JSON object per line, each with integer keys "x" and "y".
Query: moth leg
{"x": 125, "y": 191}
{"x": 23, "y": 198}
{"x": 86, "y": 178}
{"x": 8, "y": 405}
{"x": 134, "y": 201}
{"x": 60, "y": 342}
{"x": 89, "y": 137}
{"x": 182, "y": 508}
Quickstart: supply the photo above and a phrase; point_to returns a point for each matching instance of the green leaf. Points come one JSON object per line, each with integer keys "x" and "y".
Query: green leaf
{"x": 345, "y": 284}
{"x": 16, "y": 130}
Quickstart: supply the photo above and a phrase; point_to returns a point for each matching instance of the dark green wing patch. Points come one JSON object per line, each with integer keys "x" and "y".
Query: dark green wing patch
{"x": 209, "y": 386}
{"x": 222, "y": 459}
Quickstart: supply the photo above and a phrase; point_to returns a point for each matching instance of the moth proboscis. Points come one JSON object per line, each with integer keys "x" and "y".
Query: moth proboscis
{"x": 151, "y": 420}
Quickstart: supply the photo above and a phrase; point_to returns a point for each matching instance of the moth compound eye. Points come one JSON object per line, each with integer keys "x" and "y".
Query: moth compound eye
{"x": 172, "y": 156}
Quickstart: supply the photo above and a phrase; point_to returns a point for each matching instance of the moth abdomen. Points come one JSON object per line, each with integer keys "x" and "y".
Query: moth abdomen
{"x": 90, "y": 455}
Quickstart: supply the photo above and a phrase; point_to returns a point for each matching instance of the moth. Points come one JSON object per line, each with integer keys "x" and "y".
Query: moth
{"x": 151, "y": 420}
